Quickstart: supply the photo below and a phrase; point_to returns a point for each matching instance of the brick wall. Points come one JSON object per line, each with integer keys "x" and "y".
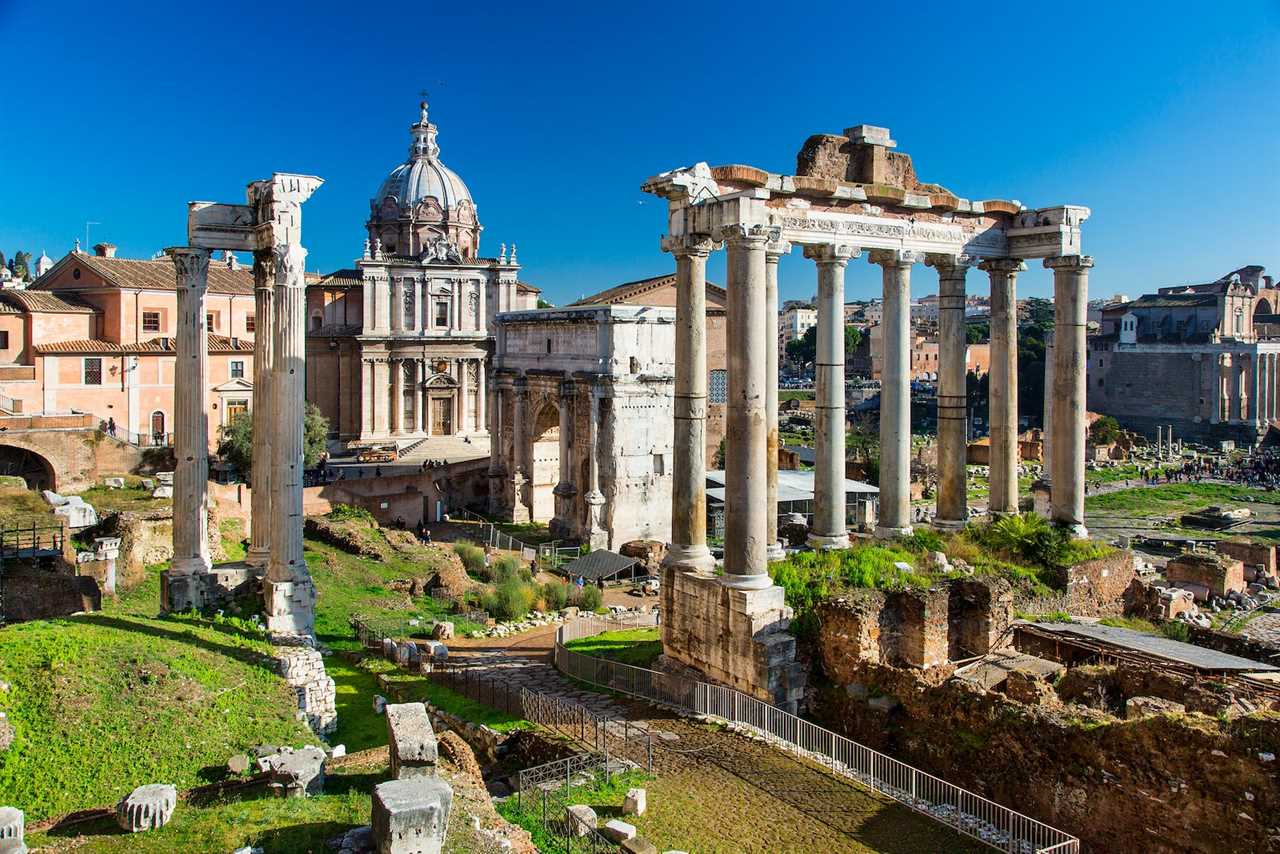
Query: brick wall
{"x": 33, "y": 594}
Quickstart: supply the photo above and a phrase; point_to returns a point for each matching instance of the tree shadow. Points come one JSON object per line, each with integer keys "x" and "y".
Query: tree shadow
{"x": 311, "y": 836}
{"x": 242, "y": 654}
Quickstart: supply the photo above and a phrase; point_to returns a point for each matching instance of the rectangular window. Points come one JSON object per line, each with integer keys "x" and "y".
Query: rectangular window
{"x": 236, "y": 408}
{"x": 151, "y": 321}
{"x": 442, "y": 313}
{"x": 659, "y": 465}
{"x": 93, "y": 371}
{"x": 237, "y": 370}
{"x": 4, "y": 339}
{"x": 248, "y": 323}
{"x": 211, "y": 322}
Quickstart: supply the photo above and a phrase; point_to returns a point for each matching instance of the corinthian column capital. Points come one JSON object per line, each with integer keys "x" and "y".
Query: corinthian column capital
{"x": 775, "y": 249}
{"x": 749, "y": 235}
{"x": 693, "y": 245}
{"x": 950, "y": 265}
{"x": 191, "y": 266}
{"x": 831, "y": 253}
{"x": 1069, "y": 262}
{"x": 895, "y": 257}
{"x": 264, "y": 269}
{"x": 290, "y": 261}
{"x": 1003, "y": 265}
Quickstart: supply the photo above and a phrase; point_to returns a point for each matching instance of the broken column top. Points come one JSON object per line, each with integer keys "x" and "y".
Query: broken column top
{"x": 870, "y": 135}
{"x": 412, "y": 739}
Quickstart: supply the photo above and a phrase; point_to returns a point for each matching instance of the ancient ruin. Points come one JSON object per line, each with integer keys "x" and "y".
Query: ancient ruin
{"x": 850, "y": 194}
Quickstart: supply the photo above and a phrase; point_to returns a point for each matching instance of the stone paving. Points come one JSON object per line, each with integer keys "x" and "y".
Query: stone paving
{"x": 1264, "y": 628}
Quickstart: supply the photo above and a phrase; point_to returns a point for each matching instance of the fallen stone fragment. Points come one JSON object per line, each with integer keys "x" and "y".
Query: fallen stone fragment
{"x": 618, "y": 830}
{"x": 411, "y": 816}
{"x": 412, "y": 741}
{"x": 638, "y": 845}
{"x": 297, "y": 773}
{"x": 147, "y": 807}
{"x": 582, "y": 819}
{"x": 634, "y": 803}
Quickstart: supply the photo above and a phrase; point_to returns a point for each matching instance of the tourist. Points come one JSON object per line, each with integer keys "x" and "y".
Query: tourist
{"x": 111, "y": 426}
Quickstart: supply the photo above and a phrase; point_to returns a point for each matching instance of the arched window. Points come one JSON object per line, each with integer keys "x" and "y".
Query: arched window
{"x": 157, "y": 427}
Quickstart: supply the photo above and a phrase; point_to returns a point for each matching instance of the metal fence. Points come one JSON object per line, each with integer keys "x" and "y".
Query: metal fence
{"x": 970, "y": 814}
{"x": 548, "y": 790}
{"x": 550, "y": 555}
{"x": 31, "y": 541}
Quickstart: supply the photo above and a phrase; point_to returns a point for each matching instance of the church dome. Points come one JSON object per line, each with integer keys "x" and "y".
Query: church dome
{"x": 423, "y": 175}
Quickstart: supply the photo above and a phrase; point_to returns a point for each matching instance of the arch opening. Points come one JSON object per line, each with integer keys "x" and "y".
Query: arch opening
{"x": 36, "y": 471}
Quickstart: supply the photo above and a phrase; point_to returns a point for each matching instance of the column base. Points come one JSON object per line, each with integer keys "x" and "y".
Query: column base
{"x": 258, "y": 558}
{"x": 828, "y": 541}
{"x": 746, "y": 582}
{"x": 885, "y": 532}
{"x": 775, "y": 551}
{"x": 689, "y": 558}
{"x": 949, "y": 525}
{"x": 1079, "y": 531}
{"x": 186, "y": 566}
{"x": 290, "y": 608}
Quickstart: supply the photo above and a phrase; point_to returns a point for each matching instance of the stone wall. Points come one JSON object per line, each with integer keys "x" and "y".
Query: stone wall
{"x": 36, "y": 594}
{"x": 146, "y": 539}
{"x": 303, "y": 670}
{"x": 1217, "y": 574}
{"x": 1095, "y": 588}
{"x": 1250, "y": 554}
{"x": 735, "y": 637}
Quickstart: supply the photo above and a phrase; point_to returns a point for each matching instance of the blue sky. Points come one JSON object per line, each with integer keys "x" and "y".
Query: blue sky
{"x": 1162, "y": 118}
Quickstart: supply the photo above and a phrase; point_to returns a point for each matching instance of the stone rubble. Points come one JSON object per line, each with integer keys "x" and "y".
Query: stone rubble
{"x": 147, "y": 807}
{"x": 581, "y": 818}
{"x": 303, "y": 670}
{"x": 411, "y": 740}
{"x": 634, "y": 803}
{"x": 618, "y": 830}
{"x": 296, "y": 773}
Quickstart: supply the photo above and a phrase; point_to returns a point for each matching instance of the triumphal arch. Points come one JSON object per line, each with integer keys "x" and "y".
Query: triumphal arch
{"x": 852, "y": 196}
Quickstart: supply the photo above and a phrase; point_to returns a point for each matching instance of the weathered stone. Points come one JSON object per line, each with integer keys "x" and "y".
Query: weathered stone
{"x": 147, "y": 807}
{"x": 582, "y": 819}
{"x": 379, "y": 704}
{"x": 412, "y": 741}
{"x": 297, "y": 773}
{"x": 618, "y": 830}
{"x": 338, "y": 751}
{"x": 411, "y": 816}
{"x": 12, "y": 828}
{"x": 634, "y": 802}
{"x": 238, "y": 764}
{"x": 1139, "y": 707}
{"x": 443, "y": 630}
{"x": 113, "y": 482}
{"x": 637, "y": 845}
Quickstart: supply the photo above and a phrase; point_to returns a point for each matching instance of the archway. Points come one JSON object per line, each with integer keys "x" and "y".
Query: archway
{"x": 33, "y": 468}
{"x": 546, "y": 463}
{"x": 1263, "y": 307}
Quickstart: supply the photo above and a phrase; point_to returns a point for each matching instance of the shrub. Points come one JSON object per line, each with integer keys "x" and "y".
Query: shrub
{"x": 1176, "y": 630}
{"x": 344, "y": 512}
{"x": 510, "y": 599}
{"x": 472, "y": 558}
{"x": 508, "y": 566}
{"x": 922, "y": 540}
{"x": 589, "y": 598}
{"x": 555, "y": 594}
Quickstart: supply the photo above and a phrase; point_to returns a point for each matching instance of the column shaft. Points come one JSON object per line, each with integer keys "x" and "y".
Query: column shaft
{"x": 895, "y": 395}
{"x": 263, "y": 423}
{"x": 397, "y": 396}
{"x": 688, "y": 549}
{"x": 1002, "y": 385}
{"x": 1071, "y": 296}
{"x": 1046, "y": 427}
{"x": 381, "y": 409}
{"x": 191, "y": 415}
{"x": 773, "y": 252}
{"x": 829, "y": 529}
{"x": 746, "y": 468}
{"x": 597, "y": 535}
{"x": 289, "y": 593}
{"x": 953, "y": 410}
{"x": 520, "y": 510}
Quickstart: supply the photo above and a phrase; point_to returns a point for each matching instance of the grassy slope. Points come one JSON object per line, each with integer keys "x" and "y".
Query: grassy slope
{"x": 638, "y": 647}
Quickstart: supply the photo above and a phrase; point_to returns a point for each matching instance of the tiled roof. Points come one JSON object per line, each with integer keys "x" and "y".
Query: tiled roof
{"x": 29, "y": 300}
{"x": 338, "y": 279}
{"x": 156, "y": 346}
{"x": 158, "y": 275}
{"x": 5, "y": 308}
{"x": 526, "y": 288}
{"x": 632, "y": 293}
{"x": 1166, "y": 301}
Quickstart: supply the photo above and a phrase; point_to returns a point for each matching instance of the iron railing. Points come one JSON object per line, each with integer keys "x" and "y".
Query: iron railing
{"x": 31, "y": 541}
{"x": 549, "y": 554}
{"x": 970, "y": 814}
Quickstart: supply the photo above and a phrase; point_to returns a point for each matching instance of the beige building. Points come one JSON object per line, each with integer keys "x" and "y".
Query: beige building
{"x": 793, "y": 323}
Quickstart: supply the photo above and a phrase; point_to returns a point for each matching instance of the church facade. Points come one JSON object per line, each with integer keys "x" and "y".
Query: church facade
{"x": 398, "y": 345}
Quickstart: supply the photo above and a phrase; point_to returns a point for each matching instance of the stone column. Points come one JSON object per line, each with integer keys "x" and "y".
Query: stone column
{"x": 829, "y": 529}
{"x": 498, "y": 447}
{"x": 1002, "y": 384}
{"x": 1046, "y": 427}
{"x": 597, "y": 534}
{"x": 562, "y": 525}
{"x": 773, "y": 252}
{"x": 288, "y": 594}
{"x": 519, "y": 453}
{"x": 419, "y": 376}
{"x": 895, "y": 393}
{"x": 953, "y": 400}
{"x": 482, "y": 397}
{"x": 263, "y": 426}
{"x": 1071, "y": 297}
{"x": 191, "y": 415}
{"x": 746, "y": 467}
{"x": 397, "y": 396}
{"x": 688, "y": 549}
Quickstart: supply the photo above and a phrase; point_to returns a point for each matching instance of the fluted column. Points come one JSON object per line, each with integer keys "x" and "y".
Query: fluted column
{"x": 264, "y": 274}
{"x": 895, "y": 393}
{"x": 1046, "y": 429}
{"x": 597, "y": 534}
{"x": 953, "y": 409}
{"x": 191, "y": 415}
{"x": 1071, "y": 297}
{"x": 746, "y": 468}
{"x": 520, "y": 511}
{"x": 829, "y": 529}
{"x": 772, "y": 253}
{"x": 688, "y": 549}
{"x": 288, "y": 594}
{"x": 1002, "y": 384}
{"x": 397, "y": 396}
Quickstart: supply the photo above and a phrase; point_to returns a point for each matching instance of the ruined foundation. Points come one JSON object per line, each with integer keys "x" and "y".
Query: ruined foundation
{"x": 736, "y": 637}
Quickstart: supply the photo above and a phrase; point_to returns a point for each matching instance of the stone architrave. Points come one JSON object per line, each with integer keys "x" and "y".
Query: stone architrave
{"x": 1071, "y": 297}
{"x": 191, "y": 416}
{"x": 746, "y": 467}
{"x": 688, "y": 549}
{"x": 772, "y": 253}
{"x": 264, "y": 324}
{"x": 895, "y": 393}
{"x": 830, "y": 528}
{"x": 411, "y": 816}
{"x": 1002, "y": 387}
{"x": 412, "y": 741}
{"x": 953, "y": 409}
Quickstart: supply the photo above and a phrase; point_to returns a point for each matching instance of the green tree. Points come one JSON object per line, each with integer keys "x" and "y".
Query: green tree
{"x": 22, "y": 265}
{"x": 236, "y": 445}
{"x": 852, "y": 338}
{"x": 1104, "y": 431}
{"x": 544, "y": 304}
{"x": 976, "y": 333}
{"x": 3, "y": 262}
{"x": 1031, "y": 337}
{"x": 804, "y": 349}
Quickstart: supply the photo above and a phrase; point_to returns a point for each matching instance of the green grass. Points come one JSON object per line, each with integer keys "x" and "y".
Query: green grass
{"x": 1174, "y": 498}
{"x": 20, "y": 507}
{"x": 413, "y": 688}
{"x": 794, "y": 394}
{"x": 603, "y": 795}
{"x": 638, "y": 647}
{"x": 101, "y": 703}
{"x": 359, "y": 726}
{"x": 132, "y": 497}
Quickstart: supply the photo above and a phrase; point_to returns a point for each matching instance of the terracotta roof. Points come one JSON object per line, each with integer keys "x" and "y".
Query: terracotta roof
{"x": 632, "y": 293}
{"x": 1165, "y": 301}
{"x": 158, "y": 346}
{"x": 29, "y": 300}
{"x": 5, "y": 308}
{"x": 526, "y": 288}
{"x": 158, "y": 274}
{"x": 339, "y": 279}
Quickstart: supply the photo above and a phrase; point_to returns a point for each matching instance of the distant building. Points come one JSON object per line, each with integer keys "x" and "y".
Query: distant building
{"x": 924, "y": 355}
{"x": 1204, "y": 358}
{"x": 793, "y": 323}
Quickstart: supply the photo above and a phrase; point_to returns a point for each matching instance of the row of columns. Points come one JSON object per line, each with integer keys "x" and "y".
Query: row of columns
{"x": 1247, "y": 389}
{"x": 387, "y": 311}
{"x": 751, "y": 428}
{"x": 383, "y": 409}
